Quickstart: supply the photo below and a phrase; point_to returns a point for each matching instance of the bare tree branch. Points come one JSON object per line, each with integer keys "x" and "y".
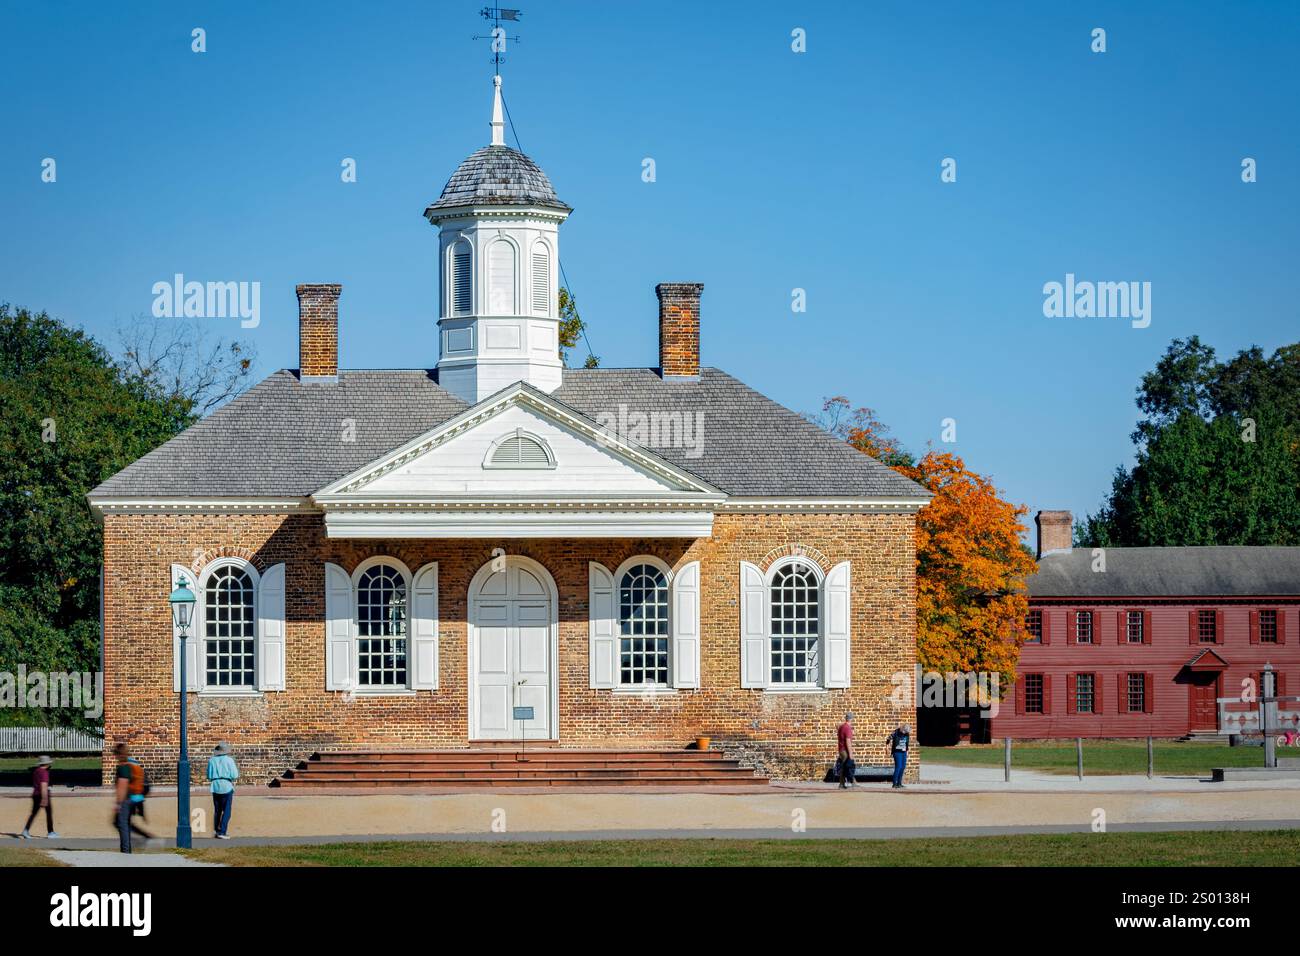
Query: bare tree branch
{"x": 182, "y": 360}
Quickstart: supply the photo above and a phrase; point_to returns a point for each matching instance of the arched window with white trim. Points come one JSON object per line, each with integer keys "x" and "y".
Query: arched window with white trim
{"x": 795, "y": 625}
{"x": 501, "y": 278}
{"x": 230, "y": 628}
{"x": 643, "y": 626}
{"x": 794, "y": 601}
{"x": 381, "y": 626}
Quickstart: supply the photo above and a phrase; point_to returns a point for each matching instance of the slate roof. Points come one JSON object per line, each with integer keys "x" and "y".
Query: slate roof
{"x": 1169, "y": 572}
{"x": 495, "y": 176}
{"x": 282, "y": 438}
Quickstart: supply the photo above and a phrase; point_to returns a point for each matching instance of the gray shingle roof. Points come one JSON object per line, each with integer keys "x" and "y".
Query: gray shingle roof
{"x": 1169, "y": 572}
{"x": 495, "y": 176}
{"x": 284, "y": 438}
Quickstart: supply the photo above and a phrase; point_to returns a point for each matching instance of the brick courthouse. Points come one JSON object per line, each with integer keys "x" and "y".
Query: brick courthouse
{"x": 397, "y": 560}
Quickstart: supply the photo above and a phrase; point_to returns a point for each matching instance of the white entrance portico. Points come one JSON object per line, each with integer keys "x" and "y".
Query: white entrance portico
{"x": 513, "y": 650}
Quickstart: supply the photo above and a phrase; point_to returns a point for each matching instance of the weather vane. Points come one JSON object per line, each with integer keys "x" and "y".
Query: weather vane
{"x": 494, "y": 15}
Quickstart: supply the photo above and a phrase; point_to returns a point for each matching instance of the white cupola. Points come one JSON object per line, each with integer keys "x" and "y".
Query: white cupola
{"x": 498, "y": 222}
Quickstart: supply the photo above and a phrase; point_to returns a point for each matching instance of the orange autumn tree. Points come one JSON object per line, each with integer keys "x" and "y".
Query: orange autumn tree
{"x": 970, "y": 563}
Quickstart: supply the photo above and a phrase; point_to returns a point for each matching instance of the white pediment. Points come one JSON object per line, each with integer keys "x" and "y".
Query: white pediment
{"x": 462, "y": 465}
{"x": 456, "y": 460}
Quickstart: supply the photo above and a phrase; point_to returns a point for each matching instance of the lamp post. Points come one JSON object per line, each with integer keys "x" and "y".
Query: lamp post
{"x": 182, "y": 602}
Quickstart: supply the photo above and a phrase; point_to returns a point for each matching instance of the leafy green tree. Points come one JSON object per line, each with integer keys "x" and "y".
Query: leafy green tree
{"x": 1218, "y": 454}
{"x": 70, "y": 416}
{"x": 572, "y": 328}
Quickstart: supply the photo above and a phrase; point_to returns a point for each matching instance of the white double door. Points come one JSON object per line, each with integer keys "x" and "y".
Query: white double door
{"x": 512, "y": 656}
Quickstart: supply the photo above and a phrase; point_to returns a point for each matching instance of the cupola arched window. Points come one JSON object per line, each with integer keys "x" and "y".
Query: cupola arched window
{"x": 519, "y": 449}
{"x": 501, "y": 278}
{"x": 462, "y": 279}
{"x": 541, "y": 279}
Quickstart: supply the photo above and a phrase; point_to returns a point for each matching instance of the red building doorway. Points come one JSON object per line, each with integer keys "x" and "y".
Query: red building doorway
{"x": 1202, "y": 702}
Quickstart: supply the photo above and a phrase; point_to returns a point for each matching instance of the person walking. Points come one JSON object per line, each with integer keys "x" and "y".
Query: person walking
{"x": 130, "y": 786}
{"x": 223, "y": 773}
{"x": 41, "y": 799}
{"x": 898, "y": 742}
{"x": 844, "y": 740}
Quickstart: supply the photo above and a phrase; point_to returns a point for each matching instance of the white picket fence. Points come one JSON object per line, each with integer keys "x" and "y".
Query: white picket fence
{"x": 45, "y": 740}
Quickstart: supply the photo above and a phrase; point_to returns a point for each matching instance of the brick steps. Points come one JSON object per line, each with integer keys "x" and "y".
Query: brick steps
{"x": 499, "y": 767}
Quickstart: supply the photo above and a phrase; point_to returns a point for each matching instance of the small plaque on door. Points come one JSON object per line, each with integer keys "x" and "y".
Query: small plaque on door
{"x": 523, "y": 713}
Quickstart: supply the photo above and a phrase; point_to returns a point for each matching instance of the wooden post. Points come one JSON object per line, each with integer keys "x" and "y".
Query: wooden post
{"x": 1078, "y": 744}
{"x": 1006, "y": 759}
{"x": 1151, "y": 758}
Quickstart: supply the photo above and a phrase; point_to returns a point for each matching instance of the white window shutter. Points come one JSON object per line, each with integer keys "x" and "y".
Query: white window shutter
{"x": 424, "y": 628}
{"x": 754, "y": 662}
{"x": 686, "y": 626}
{"x": 340, "y": 649}
{"x": 604, "y": 626}
{"x": 270, "y": 629}
{"x": 837, "y": 626}
{"x": 193, "y": 649}
{"x": 541, "y": 280}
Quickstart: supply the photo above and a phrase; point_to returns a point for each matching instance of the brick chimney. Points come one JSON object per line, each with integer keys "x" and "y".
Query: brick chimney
{"x": 679, "y": 329}
{"x": 1055, "y": 531}
{"x": 318, "y": 332}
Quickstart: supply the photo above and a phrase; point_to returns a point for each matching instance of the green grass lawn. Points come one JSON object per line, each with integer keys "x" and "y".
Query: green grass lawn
{"x": 77, "y": 771}
{"x": 1209, "y": 848}
{"x": 11, "y": 856}
{"x": 1106, "y": 756}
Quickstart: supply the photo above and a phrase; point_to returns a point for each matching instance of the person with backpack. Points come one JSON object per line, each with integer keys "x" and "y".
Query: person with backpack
{"x": 223, "y": 773}
{"x": 131, "y": 786}
{"x": 41, "y": 799}
{"x": 845, "y": 767}
{"x": 898, "y": 742}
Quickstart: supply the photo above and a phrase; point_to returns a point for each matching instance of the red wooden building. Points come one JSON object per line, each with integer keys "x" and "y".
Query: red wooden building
{"x": 1131, "y": 642}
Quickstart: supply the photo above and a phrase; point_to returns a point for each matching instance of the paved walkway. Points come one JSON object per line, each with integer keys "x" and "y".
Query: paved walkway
{"x": 103, "y": 858}
{"x": 1033, "y": 801}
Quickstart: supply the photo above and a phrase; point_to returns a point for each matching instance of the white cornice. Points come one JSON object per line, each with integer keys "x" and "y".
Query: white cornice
{"x": 518, "y": 524}
{"x": 125, "y": 505}
{"x": 745, "y": 505}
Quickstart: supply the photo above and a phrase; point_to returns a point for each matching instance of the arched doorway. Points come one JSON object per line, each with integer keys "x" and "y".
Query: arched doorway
{"x": 513, "y": 650}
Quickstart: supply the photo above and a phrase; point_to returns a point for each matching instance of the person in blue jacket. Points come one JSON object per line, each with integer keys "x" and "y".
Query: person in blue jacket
{"x": 223, "y": 773}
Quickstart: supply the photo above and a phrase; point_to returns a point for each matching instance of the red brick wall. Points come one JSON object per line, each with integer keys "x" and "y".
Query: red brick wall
{"x": 791, "y": 735}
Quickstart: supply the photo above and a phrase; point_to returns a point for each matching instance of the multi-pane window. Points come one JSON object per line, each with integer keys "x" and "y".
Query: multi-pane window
{"x": 1034, "y": 626}
{"x": 1268, "y": 627}
{"x": 1083, "y": 627}
{"x": 381, "y": 627}
{"x": 1033, "y": 693}
{"x": 1206, "y": 629}
{"x": 643, "y": 626}
{"x": 1137, "y": 693}
{"x": 796, "y": 619}
{"x": 1134, "y": 628}
{"x": 1083, "y": 693}
{"x": 230, "y": 628}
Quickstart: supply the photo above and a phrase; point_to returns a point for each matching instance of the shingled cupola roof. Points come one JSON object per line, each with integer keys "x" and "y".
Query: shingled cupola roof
{"x": 497, "y": 176}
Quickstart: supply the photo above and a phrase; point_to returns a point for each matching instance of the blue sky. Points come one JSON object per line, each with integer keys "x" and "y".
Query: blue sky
{"x": 775, "y": 171}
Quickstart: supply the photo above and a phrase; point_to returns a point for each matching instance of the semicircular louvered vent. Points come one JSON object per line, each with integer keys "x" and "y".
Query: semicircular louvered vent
{"x": 520, "y": 450}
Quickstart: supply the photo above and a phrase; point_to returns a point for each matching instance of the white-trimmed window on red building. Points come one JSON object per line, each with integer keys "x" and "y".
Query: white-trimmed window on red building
{"x": 1207, "y": 630}
{"x": 1034, "y": 697}
{"x": 1268, "y": 627}
{"x": 1137, "y": 693}
{"x": 1135, "y": 627}
{"x": 1083, "y": 627}
{"x": 1034, "y": 626}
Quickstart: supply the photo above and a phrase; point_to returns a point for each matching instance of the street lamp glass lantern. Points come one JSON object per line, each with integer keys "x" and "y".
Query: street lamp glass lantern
{"x": 182, "y": 602}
